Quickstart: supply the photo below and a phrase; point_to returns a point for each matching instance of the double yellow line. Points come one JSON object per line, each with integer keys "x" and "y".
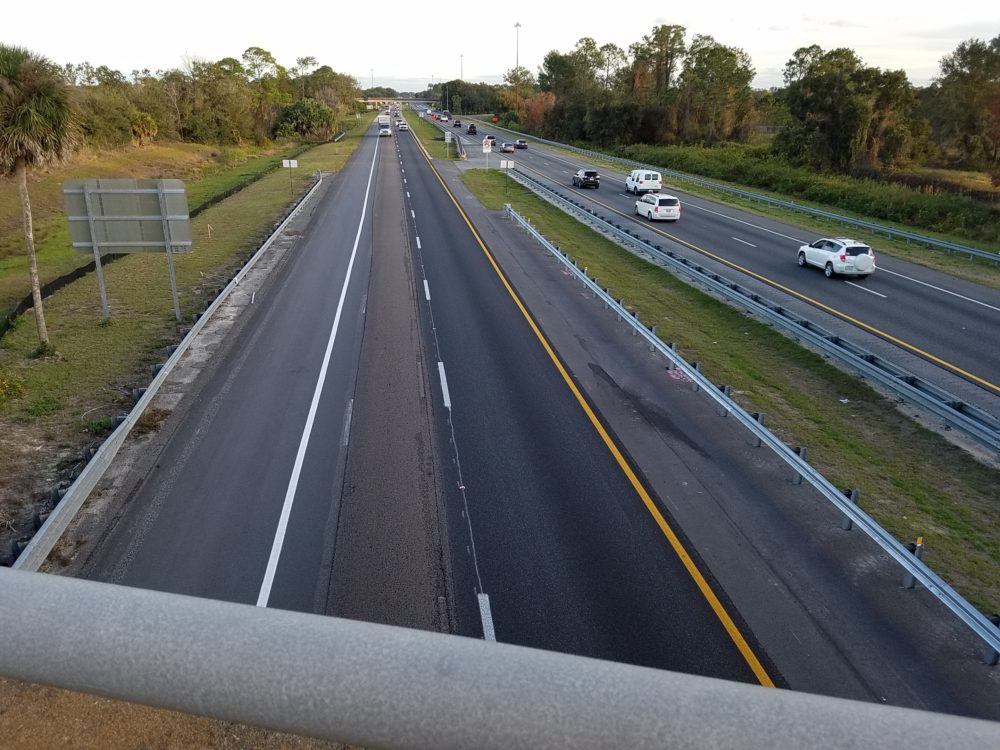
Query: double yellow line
{"x": 720, "y": 612}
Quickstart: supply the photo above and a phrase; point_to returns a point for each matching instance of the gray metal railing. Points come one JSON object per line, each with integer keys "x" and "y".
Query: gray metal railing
{"x": 968, "y": 614}
{"x": 993, "y": 256}
{"x": 978, "y": 424}
{"x": 382, "y": 686}
{"x": 42, "y": 543}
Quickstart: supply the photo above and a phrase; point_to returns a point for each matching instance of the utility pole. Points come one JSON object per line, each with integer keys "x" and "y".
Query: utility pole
{"x": 461, "y": 67}
{"x": 373, "y": 77}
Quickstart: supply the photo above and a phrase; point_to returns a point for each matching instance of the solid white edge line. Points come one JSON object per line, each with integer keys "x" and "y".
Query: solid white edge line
{"x": 489, "y": 634}
{"x": 427, "y": 290}
{"x": 937, "y": 288}
{"x": 293, "y": 482}
{"x": 863, "y": 289}
{"x": 444, "y": 387}
{"x": 418, "y": 243}
{"x": 744, "y": 242}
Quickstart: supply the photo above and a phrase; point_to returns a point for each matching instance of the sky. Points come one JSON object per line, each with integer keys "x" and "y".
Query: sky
{"x": 407, "y": 46}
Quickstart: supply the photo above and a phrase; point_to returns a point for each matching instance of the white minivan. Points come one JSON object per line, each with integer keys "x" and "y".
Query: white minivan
{"x": 642, "y": 181}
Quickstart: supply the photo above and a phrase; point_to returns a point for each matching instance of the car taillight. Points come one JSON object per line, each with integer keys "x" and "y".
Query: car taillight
{"x": 843, "y": 257}
{"x": 656, "y": 209}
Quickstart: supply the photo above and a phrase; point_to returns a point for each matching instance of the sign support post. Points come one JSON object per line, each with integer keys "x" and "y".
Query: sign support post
{"x": 170, "y": 254}
{"x": 105, "y": 312}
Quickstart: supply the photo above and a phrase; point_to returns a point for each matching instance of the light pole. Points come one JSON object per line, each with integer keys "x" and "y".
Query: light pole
{"x": 517, "y": 66}
{"x": 372, "y": 71}
{"x": 461, "y": 67}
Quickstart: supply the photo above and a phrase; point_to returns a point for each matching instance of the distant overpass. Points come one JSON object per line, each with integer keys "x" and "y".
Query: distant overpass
{"x": 383, "y": 101}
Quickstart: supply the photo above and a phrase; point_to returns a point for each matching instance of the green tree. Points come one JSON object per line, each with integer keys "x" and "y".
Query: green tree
{"x": 36, "y": 127}
{"x": 845, "y": 115}
{"x": 968, "y": 99}
{"x": 306, "y": 118}
{"x": 717, "y": 101}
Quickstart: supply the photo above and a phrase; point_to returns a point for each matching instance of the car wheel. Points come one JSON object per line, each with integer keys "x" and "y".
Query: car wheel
{"x": 828, "y": 270}
{"x": 802, "y": 260}
{"x": 649, "y": 215}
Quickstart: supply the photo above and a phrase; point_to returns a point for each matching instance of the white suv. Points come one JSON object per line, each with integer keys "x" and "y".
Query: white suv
{"x": 643, "y": 181}
{"x": 839, "y": 256}
{"x": 658, "y": 206}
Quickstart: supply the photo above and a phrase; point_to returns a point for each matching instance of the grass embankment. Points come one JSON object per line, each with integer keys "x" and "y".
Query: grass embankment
{"x": 912, "y": 481}
{"x": 431, "y": 136}
{"x": 206, "y": 170}
{"x": 50, "y": 407}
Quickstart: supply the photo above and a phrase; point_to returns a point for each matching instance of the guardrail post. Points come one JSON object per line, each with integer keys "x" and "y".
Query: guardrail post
{"x": 694, "y": 383}
{"x": 671, "y": 365}
{"x": 851, "y": 494}
{"x": 636, "y": 316}
{"x": 607, "y": 291}
{"x": 759, "y": 418}
{"x": 990, "y": 655}
{"x": 652, "y": 330}
{"x": 909, "y": 581}
{"x": 801, "y": 453}
{"x": 727, "y": 391}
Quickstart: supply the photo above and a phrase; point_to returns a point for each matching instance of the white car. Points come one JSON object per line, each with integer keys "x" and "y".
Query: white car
{"x": 384, "y": 131}
{"x": 839, "y": 255}
{"x": 658, "y": 207}
{"x": 403, "y": 126}
{"x": 643, "y": 181}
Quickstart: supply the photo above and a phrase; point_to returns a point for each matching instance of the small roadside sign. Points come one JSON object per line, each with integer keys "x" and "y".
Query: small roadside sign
{"x": 447, "y": 137}
{"x": 487, "y": 145}
{"x": 290, "y": 163}
{"x": 506, "y": 164}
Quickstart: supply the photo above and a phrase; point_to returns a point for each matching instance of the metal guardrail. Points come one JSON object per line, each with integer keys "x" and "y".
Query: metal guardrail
{"x": 978, "y": 424}
{"x": 44, "y": 540}
{"x": 381, "y": 686}
{"x": 968, "y": 614}
{"x": 872, "y": 227}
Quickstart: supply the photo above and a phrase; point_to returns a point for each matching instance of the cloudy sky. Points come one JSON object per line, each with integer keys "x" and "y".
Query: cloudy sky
{"x": 407, "y": 45}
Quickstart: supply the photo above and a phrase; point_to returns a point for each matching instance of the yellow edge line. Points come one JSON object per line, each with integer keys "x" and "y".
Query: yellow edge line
{"x": 668, "y": 532}
{"x": 803, "y": 297}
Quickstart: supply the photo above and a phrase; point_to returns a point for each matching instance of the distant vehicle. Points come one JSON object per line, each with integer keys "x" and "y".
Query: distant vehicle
{"x": 492, "y": 139}
{"x": 383, "y": 121}
{"x": 471, "y": 130}
{"x": 839, "y": 256}
{"x": 385, "y": 131}
{"x": 507, "y": 148}
{"x": 587, "y": 178}
{"x": 445, "y": 116}
{"x": 642, "y": 181}
{"x": 457, "y": 124}
{"x": 520, "y": 143}
{"x": 403, "y": 126}
{"x": 658, "y": 207}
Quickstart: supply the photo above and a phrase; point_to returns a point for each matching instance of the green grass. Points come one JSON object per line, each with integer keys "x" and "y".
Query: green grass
{"x": 961, "y": 266}
{"x": 50, "y": 402}
{"x": 207, "y": 171}
{"x": 431, "y": 136}
{"x": 912, "y": 481}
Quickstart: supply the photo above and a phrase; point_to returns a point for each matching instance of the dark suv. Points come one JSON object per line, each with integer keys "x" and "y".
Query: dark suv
{"x": 472, "y": 129}
{"x": 587, "y": 178}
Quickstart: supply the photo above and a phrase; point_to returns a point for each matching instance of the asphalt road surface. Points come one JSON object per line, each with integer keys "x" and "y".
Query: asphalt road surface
{"x": 947, "y": 321}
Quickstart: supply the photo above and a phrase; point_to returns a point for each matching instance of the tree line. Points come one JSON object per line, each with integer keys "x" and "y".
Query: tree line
{"x": 252, "y": 98}
{"x": 833, "y": 112}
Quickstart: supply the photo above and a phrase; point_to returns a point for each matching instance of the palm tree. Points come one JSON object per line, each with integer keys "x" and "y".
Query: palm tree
{"x": 36, "y": 126}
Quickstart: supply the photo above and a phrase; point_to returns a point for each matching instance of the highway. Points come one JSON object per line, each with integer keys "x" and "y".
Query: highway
{"x": 944, "y": 320}
{"x": 391, "y": 434}
{"x": 239, "y": 503}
